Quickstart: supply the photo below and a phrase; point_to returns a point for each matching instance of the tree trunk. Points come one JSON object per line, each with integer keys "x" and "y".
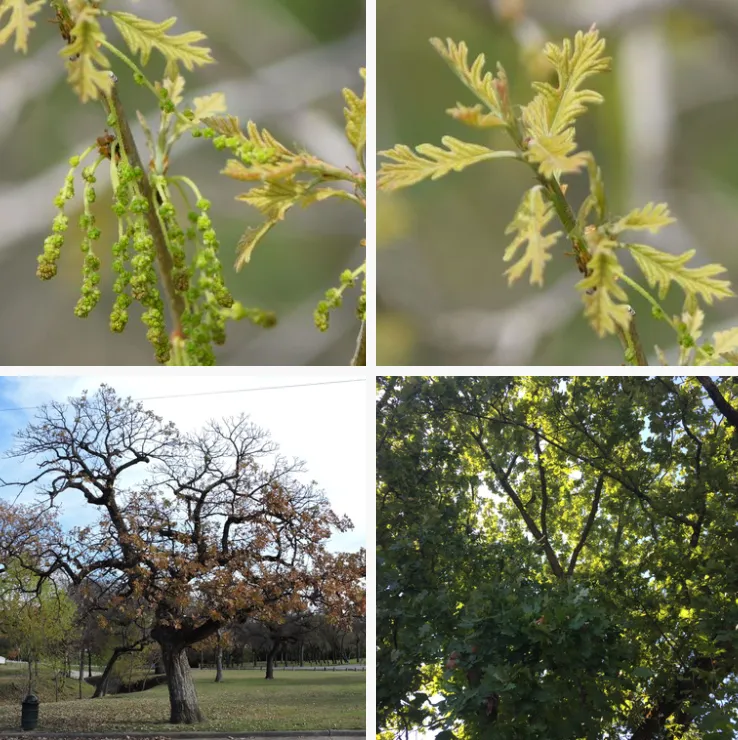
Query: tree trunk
{"x": 219, "y": 659}
{"x": 184, "y": 708}
{"x": 89, "y": 664}
{"x": 102, "y": 688}
{"x": 81, "y": 669}
{"x": 270, "y": 662}
{"x": 302, "y": 654}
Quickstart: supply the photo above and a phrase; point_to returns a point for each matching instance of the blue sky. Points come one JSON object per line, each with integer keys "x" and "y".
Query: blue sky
{"x": 324, "y": 425}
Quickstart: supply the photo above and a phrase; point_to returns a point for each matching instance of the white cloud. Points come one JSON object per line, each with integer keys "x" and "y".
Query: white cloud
{"x": 324, "y": 425}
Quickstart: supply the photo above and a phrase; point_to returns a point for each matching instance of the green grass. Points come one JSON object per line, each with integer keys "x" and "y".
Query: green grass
{"x": 244, "y": 702}
{"x": 14, "y": 685}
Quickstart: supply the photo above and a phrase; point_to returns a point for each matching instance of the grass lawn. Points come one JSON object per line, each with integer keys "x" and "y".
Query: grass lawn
{"x": 244, "y": 702}
{"x": 14, "y": 685}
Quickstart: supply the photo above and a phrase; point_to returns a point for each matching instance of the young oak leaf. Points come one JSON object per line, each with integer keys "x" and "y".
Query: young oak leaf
{"x": 601, "y": 290}
{"x": 143, "y": 35}
{"x": 474, "y": 116}
{"x": 661, "y": 268}
{"x": 725, "y": 343}
{"x": 548, "y": 118}
{"x": 19, "y": 21}
{"x": 355, "y": 114}
{"x": 530, "y": 220}
{"x": 573, "y": 66}
{"x": 409, "y": 168}
{"x": 86, "y": 64}
{"x": 554, "y": 154}
{"x": 484, "y": 85}
{"x": 652, "y": 217}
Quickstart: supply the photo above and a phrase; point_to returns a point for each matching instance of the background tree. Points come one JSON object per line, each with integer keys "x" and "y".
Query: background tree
{"x": 220, "y": 529}
{"x": 555, "y": 557}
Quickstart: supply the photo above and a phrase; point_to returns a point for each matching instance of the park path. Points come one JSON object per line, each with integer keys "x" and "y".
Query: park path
{"x": 75, "y": 674}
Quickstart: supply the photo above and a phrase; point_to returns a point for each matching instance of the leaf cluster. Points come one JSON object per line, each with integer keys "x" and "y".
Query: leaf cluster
{"x": 543, "y": 134}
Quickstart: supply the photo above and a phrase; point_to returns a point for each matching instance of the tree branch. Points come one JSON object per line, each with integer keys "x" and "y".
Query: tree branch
{"x": 588, "y": 525}
{"x": 728, "y": 411}
{"x": 540, "y": 538}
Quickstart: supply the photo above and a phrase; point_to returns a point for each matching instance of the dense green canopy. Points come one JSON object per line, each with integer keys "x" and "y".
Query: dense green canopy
{"x": 557, "y": 557}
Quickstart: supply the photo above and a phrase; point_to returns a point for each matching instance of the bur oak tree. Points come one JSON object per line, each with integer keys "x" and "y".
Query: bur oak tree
{"x": 556, "y": 557}
{"x": 196, "y": 528}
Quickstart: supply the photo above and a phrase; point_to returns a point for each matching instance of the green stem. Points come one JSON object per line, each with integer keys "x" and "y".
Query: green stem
{"x": 359, "y": 357}
{"x": 633, "y": 284}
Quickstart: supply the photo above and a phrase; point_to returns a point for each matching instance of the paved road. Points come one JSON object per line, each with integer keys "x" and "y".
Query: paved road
{"x": 75, "y": 674}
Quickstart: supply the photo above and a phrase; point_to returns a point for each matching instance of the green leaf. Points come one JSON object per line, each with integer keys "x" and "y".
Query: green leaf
{"x": 555, "y": 154}
{"x": 251, "y": 237}
{"x": 651, "y": 217}
{"x": 408, "y": 168}
{"x": 601, "y": 290}
{"x": 207, "y": 105}
{"x": 85, "y": 59}
{"x": 596, "y": 199}
{"x": 355, "y": 114}
{"x": 19, "y": 21}
{"x": 548, "y": 118}
{"x": 573, "y": 65}
{"x": 475, "y": 116}
{"x": 531, "y": 218}
{"x": 725, "y": 342}
{"x": 661, "y": 268}
{"x": 483, "y": 84}
{"x": 142, "y": 36}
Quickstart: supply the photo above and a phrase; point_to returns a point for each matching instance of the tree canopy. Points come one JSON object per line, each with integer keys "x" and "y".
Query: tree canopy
{"x": 556, "y": 557}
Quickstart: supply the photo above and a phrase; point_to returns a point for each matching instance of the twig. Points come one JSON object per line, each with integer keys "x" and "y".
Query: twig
{"x": 359, "y": 357}
{"x": 113, "y": 105}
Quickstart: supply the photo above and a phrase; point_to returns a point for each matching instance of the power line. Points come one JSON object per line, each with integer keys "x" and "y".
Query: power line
{"x": 217, "y": 393}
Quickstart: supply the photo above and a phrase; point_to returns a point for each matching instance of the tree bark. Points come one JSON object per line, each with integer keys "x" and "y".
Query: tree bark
{"x": 81, "y": 669}
{"x": 219, "y": 659}
{"x": 184, "y": 707}
{"x": 270, "y": 661}
{"x": 102, "y": 688}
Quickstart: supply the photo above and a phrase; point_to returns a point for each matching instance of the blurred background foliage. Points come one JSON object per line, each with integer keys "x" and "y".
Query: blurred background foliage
{"x": 666, "y": 132}
{"x": 282, "y": 63}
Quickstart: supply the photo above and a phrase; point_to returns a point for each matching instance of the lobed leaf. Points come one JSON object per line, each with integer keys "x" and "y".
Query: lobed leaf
{"x": 601, "y": 290}
{"x": 554, "y": 154}
{"x": 652, "y": 217}
{"x": 475, "y": 116}
{"x": 408, "y": 168}
{"x": 596, "y": 199}
{"x": 482, "y": 84}
{"x": 251, "y": 237}
{"x": 725, "y": 342}
{"x": 573, "y": 66}
{"x": 19, "y": 21}
{"x": 661, "y": 268}
{"x": 142, "y": 36}
{"x": 355, "y": 114}
{"x": 548, "y": 118}
{"x": 531, "y": 218}
{"x": 86, "y": 64}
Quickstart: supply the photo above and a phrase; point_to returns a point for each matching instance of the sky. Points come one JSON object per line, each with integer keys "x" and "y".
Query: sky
{"x": 322, "y": 424}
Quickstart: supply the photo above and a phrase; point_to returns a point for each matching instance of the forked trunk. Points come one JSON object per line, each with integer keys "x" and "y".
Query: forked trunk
{"x": 184, "y": 709}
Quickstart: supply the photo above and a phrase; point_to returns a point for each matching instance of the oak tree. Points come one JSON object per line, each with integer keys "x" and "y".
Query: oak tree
{"x": 195, "y": 528}
{"x": 556, "y": 557}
